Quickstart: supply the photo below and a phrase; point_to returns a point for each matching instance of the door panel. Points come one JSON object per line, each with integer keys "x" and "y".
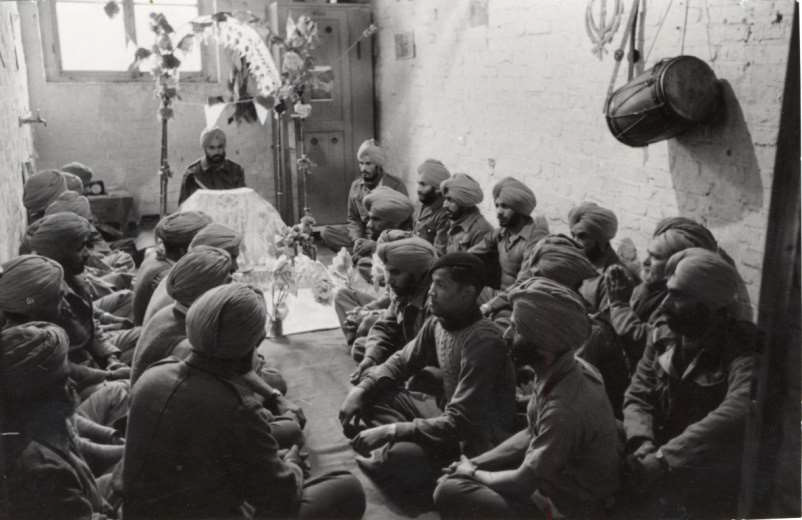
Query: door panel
{"x": 328, "y": 185}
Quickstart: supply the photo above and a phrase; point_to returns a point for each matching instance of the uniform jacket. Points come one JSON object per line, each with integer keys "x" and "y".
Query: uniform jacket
{"x": 203, "y": 175}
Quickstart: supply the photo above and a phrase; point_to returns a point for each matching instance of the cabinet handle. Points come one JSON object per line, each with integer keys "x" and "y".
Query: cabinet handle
{"x": 334, "y": 140}
{"x": 313, "y": 141}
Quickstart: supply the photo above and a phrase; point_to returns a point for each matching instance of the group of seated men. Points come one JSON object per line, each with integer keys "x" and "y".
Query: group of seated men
{"x": 139, "y": 390}
{"x": 516, "y": 373}
{"x": 503, "y": 373}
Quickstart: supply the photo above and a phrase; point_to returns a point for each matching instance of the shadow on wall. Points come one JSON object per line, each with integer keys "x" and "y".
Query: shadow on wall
{"x": 714, "y": 168}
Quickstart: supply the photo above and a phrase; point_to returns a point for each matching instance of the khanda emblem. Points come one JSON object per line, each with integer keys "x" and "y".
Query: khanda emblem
{"x": 602, "y": 23}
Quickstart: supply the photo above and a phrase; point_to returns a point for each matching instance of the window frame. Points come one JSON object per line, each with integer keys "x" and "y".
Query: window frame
{"x": 51, "y": 49}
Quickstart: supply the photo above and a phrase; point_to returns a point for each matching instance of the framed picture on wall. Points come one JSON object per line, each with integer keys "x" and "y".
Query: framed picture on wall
{"x": 405, "y": 45}
{"x": 322, "y": 83}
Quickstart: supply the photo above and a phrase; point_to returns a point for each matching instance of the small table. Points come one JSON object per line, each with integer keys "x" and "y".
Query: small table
{"x": 112, "y": 208}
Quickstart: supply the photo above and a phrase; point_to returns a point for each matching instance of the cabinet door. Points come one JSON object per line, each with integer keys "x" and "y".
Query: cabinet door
{"x": 328, "y": 183}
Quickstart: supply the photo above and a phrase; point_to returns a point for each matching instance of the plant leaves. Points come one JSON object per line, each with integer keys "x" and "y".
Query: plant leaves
{"x": 169, "y": 61}
{"x": 186, "y": 43}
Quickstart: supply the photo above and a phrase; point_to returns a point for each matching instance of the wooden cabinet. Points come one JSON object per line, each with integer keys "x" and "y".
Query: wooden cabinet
{"x": 341, "y": 95}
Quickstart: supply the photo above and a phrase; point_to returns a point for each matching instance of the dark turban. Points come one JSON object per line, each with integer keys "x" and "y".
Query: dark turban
{"x": 42, "y": 189}
{"x": 432, "y": 172}
{"x": 598, "y": 222}
{"x": 58, "y": 232}
{"x": 227, "y": 322}
{"x": 561, "y": 259}
{"x": 515, "y": 195}
{"x": 217, "y": 235}
{"x": 410, "y": 255}
{"x": 201, "y": 269}
{"x": 464, "y": 266}
{"x": 71, "y": 202}
{"x": 703, "y": 274}
{"x": 83, "y": 171}
{"x": 674, "y": 234}
{"x": 74, "y": 183}
{"x": 179, "y": 229}
{"x": 34, "y": 358}
{"x": 28, "y": 282}
{"x": 550, "y": 316}
{"x": 211, "y": 133}
{"x": 371, "y": 151}
{"x": 463, "y": 189}
{"x": 390, "y": 205}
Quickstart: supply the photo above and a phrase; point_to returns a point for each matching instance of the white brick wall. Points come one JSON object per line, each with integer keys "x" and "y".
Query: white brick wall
{"x": 15, "y": 141}
{"x": 526, "y": 91}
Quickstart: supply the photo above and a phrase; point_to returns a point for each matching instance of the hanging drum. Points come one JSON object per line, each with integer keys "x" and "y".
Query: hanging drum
{"x": 670, "y": 98}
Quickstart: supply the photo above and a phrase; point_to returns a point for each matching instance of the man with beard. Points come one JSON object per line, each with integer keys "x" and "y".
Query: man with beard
{"x": 566, "y": 461}
{"x": 431, "y": 218}
{"x": 594, "y": 226}
{"x": 371, "y": 159}
{"x": 212, "y": 171}
{"x": 407, "y": 263}
{"x": 467, "y": 227}
{"x": 685, "y": 409}
{"x": 517, "y": 233}
{"x": 417, "y": 433}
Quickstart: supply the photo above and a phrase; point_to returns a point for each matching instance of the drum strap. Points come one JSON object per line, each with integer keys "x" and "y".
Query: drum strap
{"x": 619, "y": 53}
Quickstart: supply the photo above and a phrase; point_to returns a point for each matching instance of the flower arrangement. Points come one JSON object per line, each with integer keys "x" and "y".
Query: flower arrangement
{"x": 298, "y": 239}
{"x": 282, "y": 284}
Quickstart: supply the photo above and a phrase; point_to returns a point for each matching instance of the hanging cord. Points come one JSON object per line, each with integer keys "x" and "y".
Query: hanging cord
{"x": 657, "y": 33}
{"x": 685, "y": 27}
{"x": 619, "y": 53}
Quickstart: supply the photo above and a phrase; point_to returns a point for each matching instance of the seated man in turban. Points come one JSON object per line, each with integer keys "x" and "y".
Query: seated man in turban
{"x": 198, "y": 444}
{"x": 62, "y": 237}
{"x": 566, "y": 461}
{"x": 517, "y": 233}
{"x": 45, "y": 473}
{"x": 417, "y": 434}
{"x": 212, "y": 171}
{"x": 80, "y": 170}
{"x": 685, "y": 410}
{"x": 215, "y": 235}
{"x": 406, "y": 263}
{"x": 431, "y": 218}
{"x": 40, "y": 190}
{"x": 388, "y": 210}
{"x": 371, "y": 159}
{"x": 467, "y": 225}
{"x": 201, "y": 269}
{"x": 174, "y": 232}
{"x": 108, "y": 273}
{"x": 594, "y": 227}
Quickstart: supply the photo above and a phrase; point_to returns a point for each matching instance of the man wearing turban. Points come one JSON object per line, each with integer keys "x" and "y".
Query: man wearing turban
{"x": 565, "y": 462}
{"x": 517, "y": 232}
{"x": 420, "y": 434}
{"x": 685, "y": 410}
{"x": 407, "y": 263}
{"x": 467, "y": 226}
{"x": 594, "y": 227}
{"x": 212, "y": 171}
{"x": 431, "y": 218}
{"x": 372, "y": 160}
{"x": 40, "y": 190}
{"x": 174, "y": 233}
{"x": 46, "y": 474}
{"x": 94, "y": 358}
{"x": 214, "y": 235}
{"x": 199, "y": 444}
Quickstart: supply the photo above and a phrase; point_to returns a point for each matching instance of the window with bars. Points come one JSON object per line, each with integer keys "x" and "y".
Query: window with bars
{"x": 82, "y": 42}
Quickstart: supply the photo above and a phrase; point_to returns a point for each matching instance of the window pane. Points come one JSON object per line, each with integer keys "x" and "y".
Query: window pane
{"x": 178, "y": 14}
{"x": 90, "y": 40}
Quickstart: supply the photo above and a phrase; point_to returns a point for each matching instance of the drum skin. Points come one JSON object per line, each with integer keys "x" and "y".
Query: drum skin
{"x": 670, "y": 98}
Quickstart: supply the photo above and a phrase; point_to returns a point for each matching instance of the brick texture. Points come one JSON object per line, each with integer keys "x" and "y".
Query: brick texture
{"x": 525, "y": 90}
{"x": 16, "y": 145}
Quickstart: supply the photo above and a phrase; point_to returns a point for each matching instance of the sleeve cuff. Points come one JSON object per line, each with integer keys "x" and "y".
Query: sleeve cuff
{"x": 403, "y": 431}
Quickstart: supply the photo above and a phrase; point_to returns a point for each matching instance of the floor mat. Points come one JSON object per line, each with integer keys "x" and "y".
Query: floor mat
{"x": 316, "y": 366}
